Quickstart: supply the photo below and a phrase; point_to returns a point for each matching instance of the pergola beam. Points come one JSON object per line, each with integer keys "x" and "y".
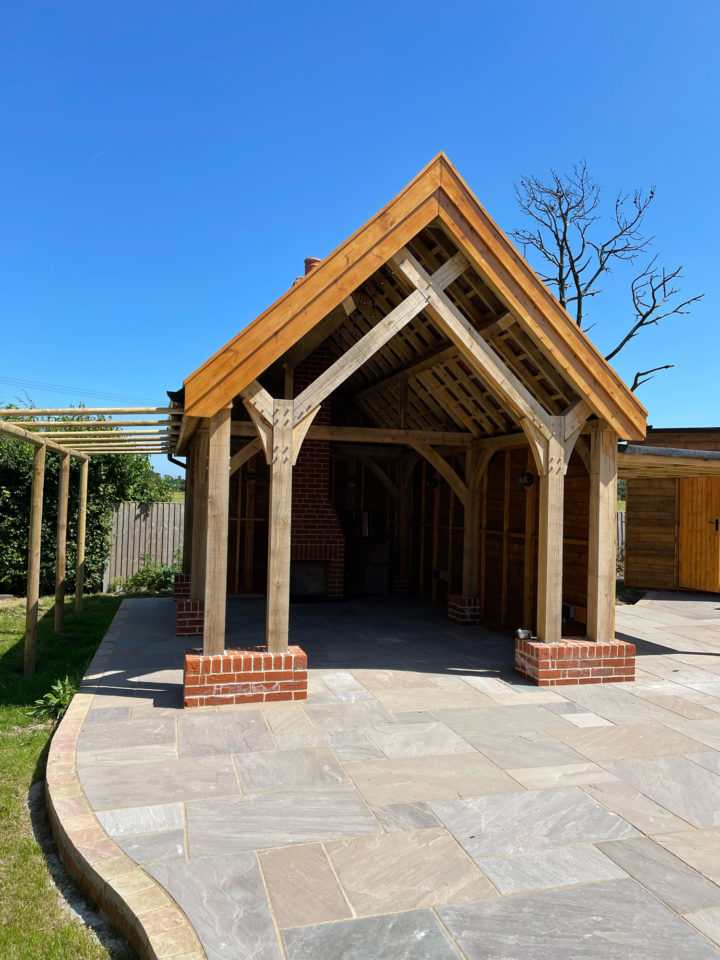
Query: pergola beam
{"x": 83, "y": 411}
{"x": 18, "y": 433}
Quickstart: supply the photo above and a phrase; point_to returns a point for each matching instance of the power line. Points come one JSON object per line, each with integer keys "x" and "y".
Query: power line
{"x": 71, "y": 391}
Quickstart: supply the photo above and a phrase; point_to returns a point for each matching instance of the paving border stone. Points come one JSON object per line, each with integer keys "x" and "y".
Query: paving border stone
{"x": 133, "y": 901}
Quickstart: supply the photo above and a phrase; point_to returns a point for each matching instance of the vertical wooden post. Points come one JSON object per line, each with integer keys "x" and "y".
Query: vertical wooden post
{"x": 189, "y": 509}
{"x": 601, "y": 536}
{"x": 33, "y": 574}
{"x": 216, "y": 540}
{"x": 550, "y": 543}
{"x": 61, "y": 544}
{"x": 278, "y": 583}
{"x": 476, "y": 464}
{"x": 81, "y": 524}
{"x": 529, "y": 555}
{"x": 200, "y": 505}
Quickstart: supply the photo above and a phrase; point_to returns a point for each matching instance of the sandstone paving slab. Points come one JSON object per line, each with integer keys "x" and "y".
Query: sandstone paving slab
{"x": 126, "y": 733}
{"x": 544, "y": 869}
{"x": 675, "y": 670}
{"x": 337, "y": 716}
{"x": 528, "y": 821}
{"x": 413, "y": 935}
{"x": 431, "y": 699}
{"x": 663, "y": 874}
{"x": 532, "y": 748}
{"x": 405, "y": 871}
{"x": 224, "y": 899}
{"x": 706, "y": 732}
{"x": 211, "y": 734}
{"x": 678, "y": 784}
{"x": 568, "y": 775}
{"x": 162, "y": 816}
{"x": 499, "y": 720}
{"x": 700, "y": 849}
{"x": 283, "y": 717}
{"x": 149, "y": 753}
{"x": 564, "y": 708}
{"x": 302, "y": 887}
{"x": 413, "y": 716}
{"x": 627, "y": 741}
{"x": 153, "y": 847}
{"x": 707, "y": 922}
{"x": 390, "y": 679}
{"x": 345, "y": 687}
{"x": 682, "y": 706}
{"x": 406, "y": 780}
{"x": 614, "y": 703}
{"x": 346, "y": 743}
{"x": 589, "y": 720}
{"x": 418, "y": 740}
{"x": 112, "y": 785}
{"x": 274, "y": 819}
{"x": 632, "y": 805}
{"x": 313, "y": 769}
{"x": 617, "y": 920}
{"x": 405, "y": 816}
{"x": 710, "y": 760}
{"x": 106, "y": 714}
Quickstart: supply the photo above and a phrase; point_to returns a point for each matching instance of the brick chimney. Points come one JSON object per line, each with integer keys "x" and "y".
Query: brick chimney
{"x": 317, "y": 538}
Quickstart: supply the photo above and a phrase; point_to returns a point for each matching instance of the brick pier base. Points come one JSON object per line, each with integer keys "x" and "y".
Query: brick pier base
{"x": 189, "y": 618}
{"x": 574, "y": 662}
{"x": 244, "y": 676}
{"x": 181, "y": 586}
{"x": 465, "y": 610}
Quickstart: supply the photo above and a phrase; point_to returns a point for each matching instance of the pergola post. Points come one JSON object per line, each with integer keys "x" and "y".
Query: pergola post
{"x": 82, "y": 519}
{"x": 61, "y": 543}
{"x": 216, "y": 539}
{"x": 601, "y": 536}
{"x": 200, "y": 505}
{"x": 550, "y": 543}
{"x": 278, "y": 583}
{"x": 33, "y": 574}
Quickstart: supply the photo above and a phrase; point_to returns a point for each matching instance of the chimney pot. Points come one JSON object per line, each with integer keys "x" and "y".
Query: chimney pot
{"x": 311, "y": 263}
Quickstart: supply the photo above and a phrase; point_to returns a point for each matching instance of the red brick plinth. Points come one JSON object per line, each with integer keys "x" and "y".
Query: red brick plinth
{"x": 189, "y": 618}
{"x": 181, "y": 586}
{"x": 244, "y": 676}
{"x": 465, "y": 610}
{"x": 574, "y": 661}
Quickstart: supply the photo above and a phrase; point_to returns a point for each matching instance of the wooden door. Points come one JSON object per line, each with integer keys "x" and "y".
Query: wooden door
{"x": 699, "y": 534}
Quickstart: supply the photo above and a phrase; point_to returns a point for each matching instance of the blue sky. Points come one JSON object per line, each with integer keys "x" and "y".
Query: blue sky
{"x": 166, "y": 167}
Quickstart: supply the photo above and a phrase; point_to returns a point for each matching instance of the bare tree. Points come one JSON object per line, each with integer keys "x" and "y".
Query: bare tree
{"x": 567, "y": 220}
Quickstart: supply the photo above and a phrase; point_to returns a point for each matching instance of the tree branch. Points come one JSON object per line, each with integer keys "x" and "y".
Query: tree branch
{"x": 637, "y": 382}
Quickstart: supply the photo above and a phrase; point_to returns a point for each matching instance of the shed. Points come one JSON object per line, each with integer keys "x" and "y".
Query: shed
{"x": 673, "y": 512}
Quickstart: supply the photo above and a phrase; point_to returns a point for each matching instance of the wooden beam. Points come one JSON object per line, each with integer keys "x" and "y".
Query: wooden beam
{"x": 187, "y": 428}
{"x": 550, "y": 542}
{"x": 372, "y": 435}
{"x": 84, "y": 411}
{"x": 378, "y": 471}
{"x": 73, "y": 426}
{"x": 107, "y": 435}
{"x": 216, "y": 541}
{"x": 263, "y": 428}
{"x": 601, "y": 537}
{"x": 472, "y": 346}
{"x": 33, "y": 571}
{"x": 255, "y": 397}
{"x": 443, "y": 468}
{"x": 200, "y": 518}
{"x": 245, "y": 454}
{"x": 61, "y": 542}
{"x": 18, "y": 433}
{"x": 300, "y": 431}
{"x": 502, "y": 442}
{"x": 81, "y": 528}
{"x": 280, "y": 512}
{"x": 410, "y": 371}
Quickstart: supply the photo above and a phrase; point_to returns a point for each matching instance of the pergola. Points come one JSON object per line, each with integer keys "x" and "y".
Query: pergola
{"x": 60, "y": 432}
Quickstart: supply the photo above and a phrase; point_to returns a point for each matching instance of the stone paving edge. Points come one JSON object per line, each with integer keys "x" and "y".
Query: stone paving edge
{"x": 134, "y": 901}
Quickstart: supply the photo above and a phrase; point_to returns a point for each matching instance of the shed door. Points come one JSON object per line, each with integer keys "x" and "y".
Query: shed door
{"x": 698, "y": 536}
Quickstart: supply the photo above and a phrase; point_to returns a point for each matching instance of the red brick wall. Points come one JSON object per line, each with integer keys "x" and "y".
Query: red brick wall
{"x": 244, "y": 676}
{"x": 316, "y": 531}
{"x": 574, "y": 662}
{"x": 189, "y": 618}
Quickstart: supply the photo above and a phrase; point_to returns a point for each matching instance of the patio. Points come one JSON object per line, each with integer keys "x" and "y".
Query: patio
{"x": 424, "y": 802}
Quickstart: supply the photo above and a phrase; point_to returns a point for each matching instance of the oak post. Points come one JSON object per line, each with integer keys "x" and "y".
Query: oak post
{"x": 61, "y": 543}
{"x": 81, "y": 524}
{"x": 601, "y": 536}
{"x": 216, "y": 539}
{"x": 550, "y": 543}
{"x": 188, "y": 510}
{"x": 200, "y": 505}
{"x": 33, "y": 574}
{"x": 278, "y": 584}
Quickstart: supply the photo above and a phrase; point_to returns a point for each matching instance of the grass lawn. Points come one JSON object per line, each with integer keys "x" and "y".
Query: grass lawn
{"x": 33, "y": 925}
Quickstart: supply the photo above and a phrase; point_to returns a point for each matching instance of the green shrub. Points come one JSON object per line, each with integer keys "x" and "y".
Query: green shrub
{"x": 152, "y": 577}
{"x": 54, "y": 704}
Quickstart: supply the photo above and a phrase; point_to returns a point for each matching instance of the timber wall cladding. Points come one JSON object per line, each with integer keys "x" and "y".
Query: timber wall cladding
{"x": 140, "y": 528}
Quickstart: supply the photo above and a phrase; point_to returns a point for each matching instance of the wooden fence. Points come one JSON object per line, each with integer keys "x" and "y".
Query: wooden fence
{"x": 621, "y": 527}
{"x": 140, "y": 528}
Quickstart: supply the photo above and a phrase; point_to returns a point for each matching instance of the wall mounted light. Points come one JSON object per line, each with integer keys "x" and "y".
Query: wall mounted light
{"x": 525, "y": 479}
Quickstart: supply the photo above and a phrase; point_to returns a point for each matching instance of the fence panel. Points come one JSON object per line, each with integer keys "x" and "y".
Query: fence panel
{"x": 140, "y": 528}
{"x": 621, "y": 527}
